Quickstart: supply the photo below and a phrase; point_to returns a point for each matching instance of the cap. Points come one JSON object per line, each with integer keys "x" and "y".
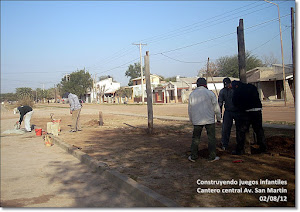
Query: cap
{"x": 66, "y": 95}
{"x": 201, "y": 81}
{"x": 226, "y": 81}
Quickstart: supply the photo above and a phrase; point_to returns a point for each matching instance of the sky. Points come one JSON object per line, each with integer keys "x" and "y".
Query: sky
{"x": 41, "y": 41}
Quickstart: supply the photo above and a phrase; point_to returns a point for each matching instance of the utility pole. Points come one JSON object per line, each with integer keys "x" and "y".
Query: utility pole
{"x": 149, "y": 93}
{"x": 54, "y": 93}
{"x": 142, "y": 83}
{"x": 212, "y": 79}
{"x": 293, "y": 53}
{"x": 283, "y": 72}
{"x": 241, "y": 52}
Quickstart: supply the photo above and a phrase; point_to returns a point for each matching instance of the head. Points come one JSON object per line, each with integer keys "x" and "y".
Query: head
{"x": 236, "y": 84}
{"x": 16, "y": 111}
{"x": 227, "y": 83}
{"x": 66, "y": 95}
{"x": 201, "y": 82}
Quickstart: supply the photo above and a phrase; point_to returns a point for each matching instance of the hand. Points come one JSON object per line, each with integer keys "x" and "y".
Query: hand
{"x": 70, "y": 111}
{"x": 218, "y": 123}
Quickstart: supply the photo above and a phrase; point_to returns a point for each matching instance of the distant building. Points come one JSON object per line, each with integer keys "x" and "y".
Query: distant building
{"x": 102, "y": 91}
{"x": 179, "y": 91}
{"x": 269, "y": 81}
{"x": 155, "y": 80}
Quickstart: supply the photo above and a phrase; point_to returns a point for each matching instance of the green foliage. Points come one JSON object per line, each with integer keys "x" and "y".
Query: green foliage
{"x": 23, "y": 92}
{"x": 105, "y": 77}
{"x": 24, "y": 96}
{"x": 228, "y": 66}
{"x": 168, "y": 79}
{"x": 8, "y": 97}
{"x": 134, "y": 71}
{"x": 78, "y": 83}
{"x": 124, "y": 92}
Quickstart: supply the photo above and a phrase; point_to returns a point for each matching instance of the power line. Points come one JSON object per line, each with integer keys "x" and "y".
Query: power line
{"x": 180, "y": 60}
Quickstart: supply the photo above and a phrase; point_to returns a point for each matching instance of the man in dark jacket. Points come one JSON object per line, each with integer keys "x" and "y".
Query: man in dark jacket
{"x": 230, "y": 112}
{"x": 24, "y": 110}
{"x": 246, "y": 99}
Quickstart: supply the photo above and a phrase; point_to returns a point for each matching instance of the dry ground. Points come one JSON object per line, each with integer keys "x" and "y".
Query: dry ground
{"x": 159, "y": 161}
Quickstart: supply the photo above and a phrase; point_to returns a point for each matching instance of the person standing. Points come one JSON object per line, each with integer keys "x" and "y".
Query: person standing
{"x": 202, "y": 109}
{"x": 246, "y": 99}
{"x": 230, "y": 111}
{"x": 75, "y": 109}
{"x": 27, "y": 112}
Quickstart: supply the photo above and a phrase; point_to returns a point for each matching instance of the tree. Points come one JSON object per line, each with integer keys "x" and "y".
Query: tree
{"x": 24, "y": 96}
{"x": 124, "y": 93}
{"x": 269, "y": 60}
{"x": 105, "y": 77}
{"x": 213, "y": 71}
{"x": 77, "y": 83}
{"x": 134, "y": 71}
{"x": 8, "y": 97}
{"x": 228, "y": 66}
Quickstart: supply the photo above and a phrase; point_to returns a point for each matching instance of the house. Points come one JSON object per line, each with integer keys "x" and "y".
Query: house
{"x": 269, "y": 81}
{"x": 103, "y": 91}
{"x": 179, "y": 91}
{"x": 155, "y": 80}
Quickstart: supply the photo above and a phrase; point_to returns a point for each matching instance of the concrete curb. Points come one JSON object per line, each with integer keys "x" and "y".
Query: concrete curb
{"x": 142, "y": 193}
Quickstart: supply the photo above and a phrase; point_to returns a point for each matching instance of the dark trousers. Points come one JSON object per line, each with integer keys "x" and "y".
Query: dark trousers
{"x": 228, "y": 118}
{"x": 211, "y": 134}
{"x": 245, "y": 119}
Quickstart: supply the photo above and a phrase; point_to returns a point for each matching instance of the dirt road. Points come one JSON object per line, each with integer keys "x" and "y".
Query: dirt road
{"x": 33, "y": 175}
{"x": 159, "y": 161}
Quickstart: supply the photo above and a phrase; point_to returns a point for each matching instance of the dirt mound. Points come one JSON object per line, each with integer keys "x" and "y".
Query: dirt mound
{"x": 281, "y": 144}
{"x": 92, "y": 123}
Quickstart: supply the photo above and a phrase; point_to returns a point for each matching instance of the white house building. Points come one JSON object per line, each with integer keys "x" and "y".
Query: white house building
{"x": 102, "y": 91}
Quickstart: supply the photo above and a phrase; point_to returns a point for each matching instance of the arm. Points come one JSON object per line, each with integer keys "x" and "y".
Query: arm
{"x": 221, "y": 100}
{"x": 72, "y": 103}
{"x": 190, "y": 108}
{"x": 22, "y": 114}
{"x": 216, "y": 108}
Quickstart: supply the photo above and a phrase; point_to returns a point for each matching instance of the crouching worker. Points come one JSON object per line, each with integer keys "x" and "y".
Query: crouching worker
{"x": 27, "y": 112}
{"x": 202, "y": 108}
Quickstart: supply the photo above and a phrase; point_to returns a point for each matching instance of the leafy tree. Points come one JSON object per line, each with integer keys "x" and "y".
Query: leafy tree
{"x": 124, "y": 92}
{"x": 23, "y": 92}
{"x": 8, "y": 97}
{"x": 134, "y": 71}
{"x": 106, "y": 77}
{"x": 228, "y": 66}
{"x": 77, "y": 83}
{"x": 24, "y": 96}
{"x": 213, "y": 70}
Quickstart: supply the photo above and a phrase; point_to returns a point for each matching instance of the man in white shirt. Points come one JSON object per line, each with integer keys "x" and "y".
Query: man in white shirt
{"x": 203, "y": 107}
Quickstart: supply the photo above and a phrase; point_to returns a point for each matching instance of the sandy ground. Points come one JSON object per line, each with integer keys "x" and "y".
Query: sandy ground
{"x": 159, "y": 161}
{"x": 33, "y": 175}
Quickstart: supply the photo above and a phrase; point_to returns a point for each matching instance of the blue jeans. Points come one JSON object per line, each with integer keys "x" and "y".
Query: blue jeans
{"x": 211, "y": 134}
{"x": 228, "y": 118}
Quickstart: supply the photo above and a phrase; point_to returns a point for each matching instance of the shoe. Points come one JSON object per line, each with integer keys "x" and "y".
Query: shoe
{"x": 224, "y": 148}
{"x": 216, "y": 158}
{"x": 72, "y": 131}
{"x": 190, "y": 159}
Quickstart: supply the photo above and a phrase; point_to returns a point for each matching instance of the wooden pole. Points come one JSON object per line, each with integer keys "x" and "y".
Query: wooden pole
{"x": 241, "y": 52}
{"x": 100, "y": 119}
{"x": 293, "y": 53}
{"x": 212, "y": 79}
{"x": 149, "y": 93}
